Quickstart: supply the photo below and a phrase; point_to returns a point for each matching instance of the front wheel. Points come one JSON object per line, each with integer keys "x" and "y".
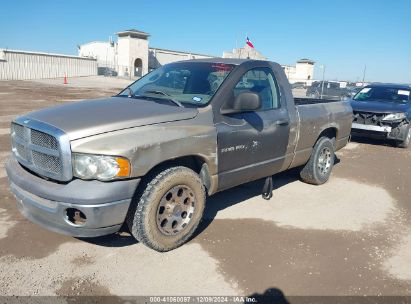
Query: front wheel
{"x": 318, "y": 169}
{"x": 406, "y": 142}
{"x": 169, "y": 209}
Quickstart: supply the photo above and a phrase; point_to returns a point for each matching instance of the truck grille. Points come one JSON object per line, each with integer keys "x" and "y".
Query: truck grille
{"x": 40, "y": 152}
{"x": 368, "y": 118}
{"x": 47, "y": 162}
{"x": 44, "y": 140}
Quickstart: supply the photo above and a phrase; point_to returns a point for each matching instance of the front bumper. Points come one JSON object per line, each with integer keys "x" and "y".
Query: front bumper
{"x": 44, "y": 202}
{"x": 395, "y": 132}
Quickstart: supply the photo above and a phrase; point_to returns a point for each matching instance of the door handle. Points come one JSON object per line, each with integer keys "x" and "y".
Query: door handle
{"x": 282, "y": 122}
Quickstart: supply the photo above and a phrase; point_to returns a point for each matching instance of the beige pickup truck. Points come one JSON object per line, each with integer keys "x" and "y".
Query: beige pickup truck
{"x": 148, "y": 156}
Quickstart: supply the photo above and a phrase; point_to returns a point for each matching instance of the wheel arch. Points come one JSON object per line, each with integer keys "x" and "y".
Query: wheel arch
{"x": 197, "y": 163}
{"x": 331, "y": 132}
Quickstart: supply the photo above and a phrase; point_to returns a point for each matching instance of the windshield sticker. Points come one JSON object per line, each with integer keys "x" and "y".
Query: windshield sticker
{"x": 365, "y": 90}
{"x": 197, "y": 99}
{"x": 403, "y": 92}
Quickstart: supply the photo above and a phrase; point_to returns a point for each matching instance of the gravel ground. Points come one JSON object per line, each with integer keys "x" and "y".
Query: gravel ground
{"x": 351, "y": 236}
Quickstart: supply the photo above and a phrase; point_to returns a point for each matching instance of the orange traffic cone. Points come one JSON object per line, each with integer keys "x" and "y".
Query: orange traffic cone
{"x": 65, "y": 79}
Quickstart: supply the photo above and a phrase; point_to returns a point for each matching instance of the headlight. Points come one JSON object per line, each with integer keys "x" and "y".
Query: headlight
{"x": 101, "y": 167}
{"x": 395, "y": 116}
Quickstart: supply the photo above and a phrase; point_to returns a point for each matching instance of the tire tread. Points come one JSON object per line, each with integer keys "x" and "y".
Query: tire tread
{"x": 139, "y": 210}
{"x": 309, "y": 174}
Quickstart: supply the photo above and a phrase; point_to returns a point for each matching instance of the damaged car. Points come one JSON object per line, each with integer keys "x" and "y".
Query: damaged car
{"x": 383, "y": 111}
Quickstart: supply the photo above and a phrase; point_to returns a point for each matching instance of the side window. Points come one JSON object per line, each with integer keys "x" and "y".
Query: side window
{"x": 335, "y": 85}
{"x": 262, "y": 82}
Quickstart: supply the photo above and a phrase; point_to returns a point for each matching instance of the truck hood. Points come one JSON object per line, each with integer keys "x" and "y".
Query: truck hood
{"x": 379, "y": 107}
{"x": 92, "y": 117}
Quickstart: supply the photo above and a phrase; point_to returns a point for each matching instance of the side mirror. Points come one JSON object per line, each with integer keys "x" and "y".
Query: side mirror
{"x": 247, "y": 101}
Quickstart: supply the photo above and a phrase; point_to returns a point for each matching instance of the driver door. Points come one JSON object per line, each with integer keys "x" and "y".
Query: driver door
{"x": 252, "y": 144}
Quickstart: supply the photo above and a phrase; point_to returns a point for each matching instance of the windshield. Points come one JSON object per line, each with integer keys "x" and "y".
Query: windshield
{"x": 193, "y": 83}
{"x": 383, "y": 94}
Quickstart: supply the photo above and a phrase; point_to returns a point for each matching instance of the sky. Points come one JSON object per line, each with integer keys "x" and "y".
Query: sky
{"x": 344, "y": 36}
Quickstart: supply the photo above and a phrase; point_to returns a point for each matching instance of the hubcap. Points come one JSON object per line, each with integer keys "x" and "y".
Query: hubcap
{"x": 324, "y": 161}
{"x": 175, "y": 210}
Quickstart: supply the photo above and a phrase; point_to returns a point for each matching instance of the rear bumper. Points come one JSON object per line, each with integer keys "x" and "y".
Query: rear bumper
{"x": 105, "y": 205}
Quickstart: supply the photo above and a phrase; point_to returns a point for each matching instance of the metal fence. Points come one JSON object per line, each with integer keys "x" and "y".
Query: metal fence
{"x": 22, "y": 65}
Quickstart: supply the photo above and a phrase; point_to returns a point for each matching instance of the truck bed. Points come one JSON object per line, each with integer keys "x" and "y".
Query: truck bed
{"x": 316, "y": 115}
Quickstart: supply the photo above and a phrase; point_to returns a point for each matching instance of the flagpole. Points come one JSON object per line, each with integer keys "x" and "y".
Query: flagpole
{"x": 246, "y": 36}
{"x": 248, "y": 49}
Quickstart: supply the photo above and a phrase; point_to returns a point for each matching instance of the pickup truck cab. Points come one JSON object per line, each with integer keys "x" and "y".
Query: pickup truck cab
{"x": 327, "y": 90}
{"x": 148, "y": 156}
{"x": 383, "y": 111}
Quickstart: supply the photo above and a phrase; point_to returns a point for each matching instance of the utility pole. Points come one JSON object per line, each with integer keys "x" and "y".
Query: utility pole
{"x": 322, "y": 85}
{"x": 363, "y": 75}
{"x": 236, "y": 45}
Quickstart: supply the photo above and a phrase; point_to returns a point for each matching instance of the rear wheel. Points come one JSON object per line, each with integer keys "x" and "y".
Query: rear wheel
{"x": 169, "y": 209}
{"x": 318, "y": 169}
{"x": 406, "y": 142}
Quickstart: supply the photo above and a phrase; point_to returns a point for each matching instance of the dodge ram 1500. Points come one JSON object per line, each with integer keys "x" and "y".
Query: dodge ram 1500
{"x": 148, "y": 156}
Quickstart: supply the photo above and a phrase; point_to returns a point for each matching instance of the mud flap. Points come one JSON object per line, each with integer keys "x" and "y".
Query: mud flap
{"x": 267, "y": 192}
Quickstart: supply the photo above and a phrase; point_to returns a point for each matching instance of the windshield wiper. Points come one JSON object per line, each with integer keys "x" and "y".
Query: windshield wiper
{"x": 165, "y": 94}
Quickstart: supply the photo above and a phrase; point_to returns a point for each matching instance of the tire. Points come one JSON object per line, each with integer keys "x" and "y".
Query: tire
{"x": 318, "y": 168}
{"x": 169, "y": 210}
{"x": 406, "y": 142}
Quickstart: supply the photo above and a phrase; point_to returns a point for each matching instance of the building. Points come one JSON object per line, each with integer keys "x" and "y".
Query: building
{"x": 25, "y": 65}
{"x": 303, "y": 71}
{"x": 245, "y": 52}
{"x": 131, "y": 56}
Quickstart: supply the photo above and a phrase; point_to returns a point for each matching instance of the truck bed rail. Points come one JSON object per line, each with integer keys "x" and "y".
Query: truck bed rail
{"x": 308, "y": 101}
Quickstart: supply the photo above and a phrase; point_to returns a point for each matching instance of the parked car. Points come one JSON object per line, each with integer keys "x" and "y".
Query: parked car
{"x": 149, "y": 155}
{"x": 328, "y": 90}
{"x": 353, "y": 90}
{"x": 298, "y": 85}
{"x": 383, "y": 111}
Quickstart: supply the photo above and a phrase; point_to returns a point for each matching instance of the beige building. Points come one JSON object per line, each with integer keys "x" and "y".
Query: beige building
{"x": 131, "y": 56}
{"x": 302, "y": 71}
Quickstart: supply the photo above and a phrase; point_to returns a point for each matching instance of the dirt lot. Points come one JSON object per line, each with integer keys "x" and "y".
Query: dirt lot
{"x": 351, "y": 236}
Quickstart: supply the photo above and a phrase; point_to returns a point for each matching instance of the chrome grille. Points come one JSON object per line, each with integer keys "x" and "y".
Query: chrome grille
{"x": 19, "y": 131}
{"x": 44, "y": 140}
{"x": 38, "y": 147}
{"x": 47, "y": 162}
{"x": 22, "y": 151}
